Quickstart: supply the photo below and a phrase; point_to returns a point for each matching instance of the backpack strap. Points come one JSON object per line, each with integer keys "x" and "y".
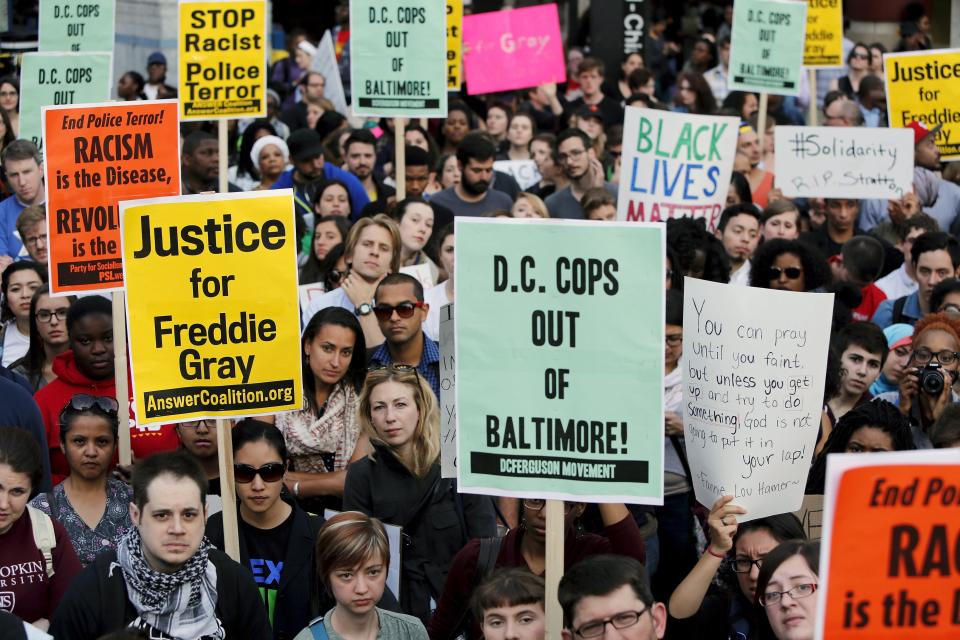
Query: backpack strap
{"x": 318, "y": 630}
{"x": 487, "y": 557}
{"x": 898, "y": 306}
{"x": 44, "y": 537}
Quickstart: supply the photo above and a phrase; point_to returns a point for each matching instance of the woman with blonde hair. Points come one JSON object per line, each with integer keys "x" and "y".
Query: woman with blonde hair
{"x": 528, "y": 205}
{"x": 400, "y": 483}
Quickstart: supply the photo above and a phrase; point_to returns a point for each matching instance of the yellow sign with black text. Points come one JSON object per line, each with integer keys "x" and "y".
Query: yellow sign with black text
{"x": 454, "y": 44}
{"x": 212, "y": 308}
{"x": 823, "y": 46}
{"x": 222, "y": 59}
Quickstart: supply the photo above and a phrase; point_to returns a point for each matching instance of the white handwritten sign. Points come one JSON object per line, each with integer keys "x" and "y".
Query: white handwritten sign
{"x": 523, "y": 171}
{"x": 448, "y": 396}
{"x": 844, "y": 162}
{"x": 754, "y": 365}
{"x": 325, "y": 62}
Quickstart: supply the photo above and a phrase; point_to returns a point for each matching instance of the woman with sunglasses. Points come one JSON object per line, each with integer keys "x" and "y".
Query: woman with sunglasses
{"x": 400, "y": 483}
{"x": 48, "y": 337}
{"x": 329, "y": 232}
{"x": 415, "y": 218}
{"x": 92, "y": 506}
{"x": 277, "y": 537}
{"x": 788, "y": 265}
{"x": 17, "y": 285}
{"x": 786, "y": 590}
{"x": 36, "y": 558}
{"x": 324, "y": 437}
{"x": 858, "y": 68}
{"x": 926, "y": 387}
{"x": 526, "y": 547}
{"x": 719, "y": 592}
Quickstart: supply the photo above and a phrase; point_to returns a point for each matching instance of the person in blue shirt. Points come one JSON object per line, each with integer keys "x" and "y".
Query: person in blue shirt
{"x": 24, "y": 169}
{"x": 936, "y": 257}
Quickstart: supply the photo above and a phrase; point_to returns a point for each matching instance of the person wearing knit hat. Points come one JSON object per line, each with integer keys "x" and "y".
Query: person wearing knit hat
{"x": 926, "y": 388}
{"x": 271, "y": 156}
{"x": 899, "y": 340}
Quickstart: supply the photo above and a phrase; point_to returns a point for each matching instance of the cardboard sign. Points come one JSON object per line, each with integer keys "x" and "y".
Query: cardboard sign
{"x": 422, "y": 273}
{"x": 454, "y": 44}
{"x": 925, "y": 86}
{"x": 675, "y": 165}
{"x": 891, "y": 546}
{"x": 526, "y": 42}
{"x": 325, "y": 62}
{"x": 525, "y": 172}
{"x": 752, "y": 392}
{"x": 767, "y": 46}
{"x": 559, "y": 393}
{"x": 448, "y": 390}
{"x": 221, "y": 336}
{"x": 844, "y": 162}
{"x": 48, "y": 79}
{"x": 823, "y": 45}
{"x": 96, "y": 156}
{"x": 222, "y": 58}
{"x": 76, "y": 25}
{"x": 810, "y": 515}
{"x": 398, "y": 58}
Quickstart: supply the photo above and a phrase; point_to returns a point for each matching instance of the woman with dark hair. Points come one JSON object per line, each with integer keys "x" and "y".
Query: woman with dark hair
{"x": 10, "y": 101}
{"x": 622, "y": 89}
{"x": 48, "y": 337}
{"x": 694, "y": 95}
{"x": 324, "y": 436}
{"x": 789, "y": 265}
{"x": 877, "y": 49}
{"x": 18, "y": 283}
{"x": 246, "y": 174}
{"x": 91, "y": 505}
{"x": 332, "y": 198}
{"x": 6, "y": 131}
{"x": 703, "y": 57}
{"x": 442, "y": 294}
{"x": 871, "y": 427}
{"x": 274, "y": 530}
{"x": 447, "y": 172}
{"x": 130, "y": 86}
{"x": 780, "y": 219}
{"x": 672, "y": 276}
{"x": 718, "y": 595}
{"x": 328, "y": 232}
{"x": 739, "y": 190}
{"x": 497, "y": 120}
{"x": 699, "y": 254}
{"x": 33, "y": 547}
{"x": 741, "y": 104}
{"x": 520, "y": 133}
{"x": 459, "y": 121}
{"x": 785, "y": 591}
{"x": 415, "y": 219}
{"x": 858, "y": 68}
{"x": 417, "y": 136}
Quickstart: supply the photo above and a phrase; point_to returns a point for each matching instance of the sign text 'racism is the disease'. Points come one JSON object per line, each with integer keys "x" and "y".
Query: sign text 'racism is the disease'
{"x": 536, "y": 312}
{"x": 218, "y": 339}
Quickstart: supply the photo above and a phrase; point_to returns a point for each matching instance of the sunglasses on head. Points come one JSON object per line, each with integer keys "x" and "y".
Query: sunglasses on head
{"x": 270, "y": 472}
{"x": 792, "y": 273}
{"x": 84, "y": 402}
{"x": 404, "y": 310}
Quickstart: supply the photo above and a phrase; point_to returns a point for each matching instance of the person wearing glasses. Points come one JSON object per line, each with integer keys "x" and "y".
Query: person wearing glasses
{"x": 92, "y": 506}
{"x": 579, "y": 163}
{"x": 324, "y": 436}
{"x": 399, "y": 483}
{"x": 858, "y": 68}
{"x": 716, "y": 599}
{"x": 788, "y": 265}
{"x": 401, "y": 312}
{"x": 198, "y": 438}
{"x": 926, "y": 388}
{"x": 609, "y": 590}
{"x": 277, "y": 537}
{"x": 786, "y": 589}
{"x": 32, "y": 227}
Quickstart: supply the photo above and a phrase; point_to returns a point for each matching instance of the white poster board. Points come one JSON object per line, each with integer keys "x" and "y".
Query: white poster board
{"x": 754, "y": 362}
{"x": 325, "y": 63}
{"x": 448, "y": 395}
{"x": 523, "y": 171}
{"x": 844, "y": 162}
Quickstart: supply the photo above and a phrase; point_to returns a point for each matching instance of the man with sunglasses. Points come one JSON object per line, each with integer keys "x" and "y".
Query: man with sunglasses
{"x": 400, "y": 312}
{"x": 609, "y": 590}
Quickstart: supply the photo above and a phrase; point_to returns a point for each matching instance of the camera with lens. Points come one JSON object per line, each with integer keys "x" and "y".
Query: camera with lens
{"x": 931, "y": 379}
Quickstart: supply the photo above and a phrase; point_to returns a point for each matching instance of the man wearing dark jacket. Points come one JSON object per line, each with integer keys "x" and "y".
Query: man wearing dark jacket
{"x": 164, "y": 578}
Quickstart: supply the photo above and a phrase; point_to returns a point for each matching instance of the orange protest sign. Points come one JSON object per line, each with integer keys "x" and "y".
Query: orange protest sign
{"x": 891, "y": 558}
{"x": 96, "y": 156}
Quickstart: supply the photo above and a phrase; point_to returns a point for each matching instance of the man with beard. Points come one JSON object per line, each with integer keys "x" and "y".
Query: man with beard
{"x": 580, "y": 165}
{"x": 473, "y": 195}
{"x": 360, "y": 154}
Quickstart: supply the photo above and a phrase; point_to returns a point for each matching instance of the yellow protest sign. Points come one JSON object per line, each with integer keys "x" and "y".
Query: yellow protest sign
{"x": 925, "y": 86}
{"x": 454, "y": 44}
{"x": 823, "y": 46}
{"x": 222, "y": 59}
{"x": 212, "y": 305}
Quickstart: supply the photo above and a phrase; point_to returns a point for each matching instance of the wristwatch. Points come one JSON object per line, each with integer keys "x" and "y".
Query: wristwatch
{"x": 364, "y": 309}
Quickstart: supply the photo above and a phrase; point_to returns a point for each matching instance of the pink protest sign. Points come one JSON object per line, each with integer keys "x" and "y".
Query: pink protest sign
{"x": 514, "y": 49}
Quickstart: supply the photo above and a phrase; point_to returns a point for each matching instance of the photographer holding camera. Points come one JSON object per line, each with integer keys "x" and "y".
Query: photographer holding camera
{"x": 933, "y": 368}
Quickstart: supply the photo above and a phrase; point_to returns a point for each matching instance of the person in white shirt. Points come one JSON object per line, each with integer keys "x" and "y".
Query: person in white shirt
{"x": 739, "y": 231}
{"x": 717, "y": 76}
{"x": 903, "y": 281}
{"x": 442, "y": 294}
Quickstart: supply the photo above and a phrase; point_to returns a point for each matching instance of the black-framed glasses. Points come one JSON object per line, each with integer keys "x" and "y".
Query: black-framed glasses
{"x": 537, "y": 504}
{"x": 674, "y": 339}
{"x": 792, "y": 273}
{"x": 31, "y": 241}
{"x": 404, "y": 310}
{"x": 194, "y": 424}
{"x": 574, "y": 153}
{"x": 44, "y": 315}
{"x": 622, "y": 620}
{"x": 270, "y": 472}
{"x": 804, "y": 590}
{"x": 924, "y": 355}
{"x": 744, "y": 565}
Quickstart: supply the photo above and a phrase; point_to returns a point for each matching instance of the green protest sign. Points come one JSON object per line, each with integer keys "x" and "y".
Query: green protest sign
{"x": 767, "y": 45}
{"x": 398, "y": 58}
{"x": 559, "y": 359}
{"x": 48, "y": 79}
{"x": 76, "y": 25}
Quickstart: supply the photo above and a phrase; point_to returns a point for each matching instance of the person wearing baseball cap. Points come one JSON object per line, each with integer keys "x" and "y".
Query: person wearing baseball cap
{"x": 925, "y": 151}
{"x": 945, "y": 207}
{"x": 156, "y": 87}
{"x": 899, "y": 342}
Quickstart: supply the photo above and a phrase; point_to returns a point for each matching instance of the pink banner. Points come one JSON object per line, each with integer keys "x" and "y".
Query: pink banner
{"x": 513, "y": 49}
